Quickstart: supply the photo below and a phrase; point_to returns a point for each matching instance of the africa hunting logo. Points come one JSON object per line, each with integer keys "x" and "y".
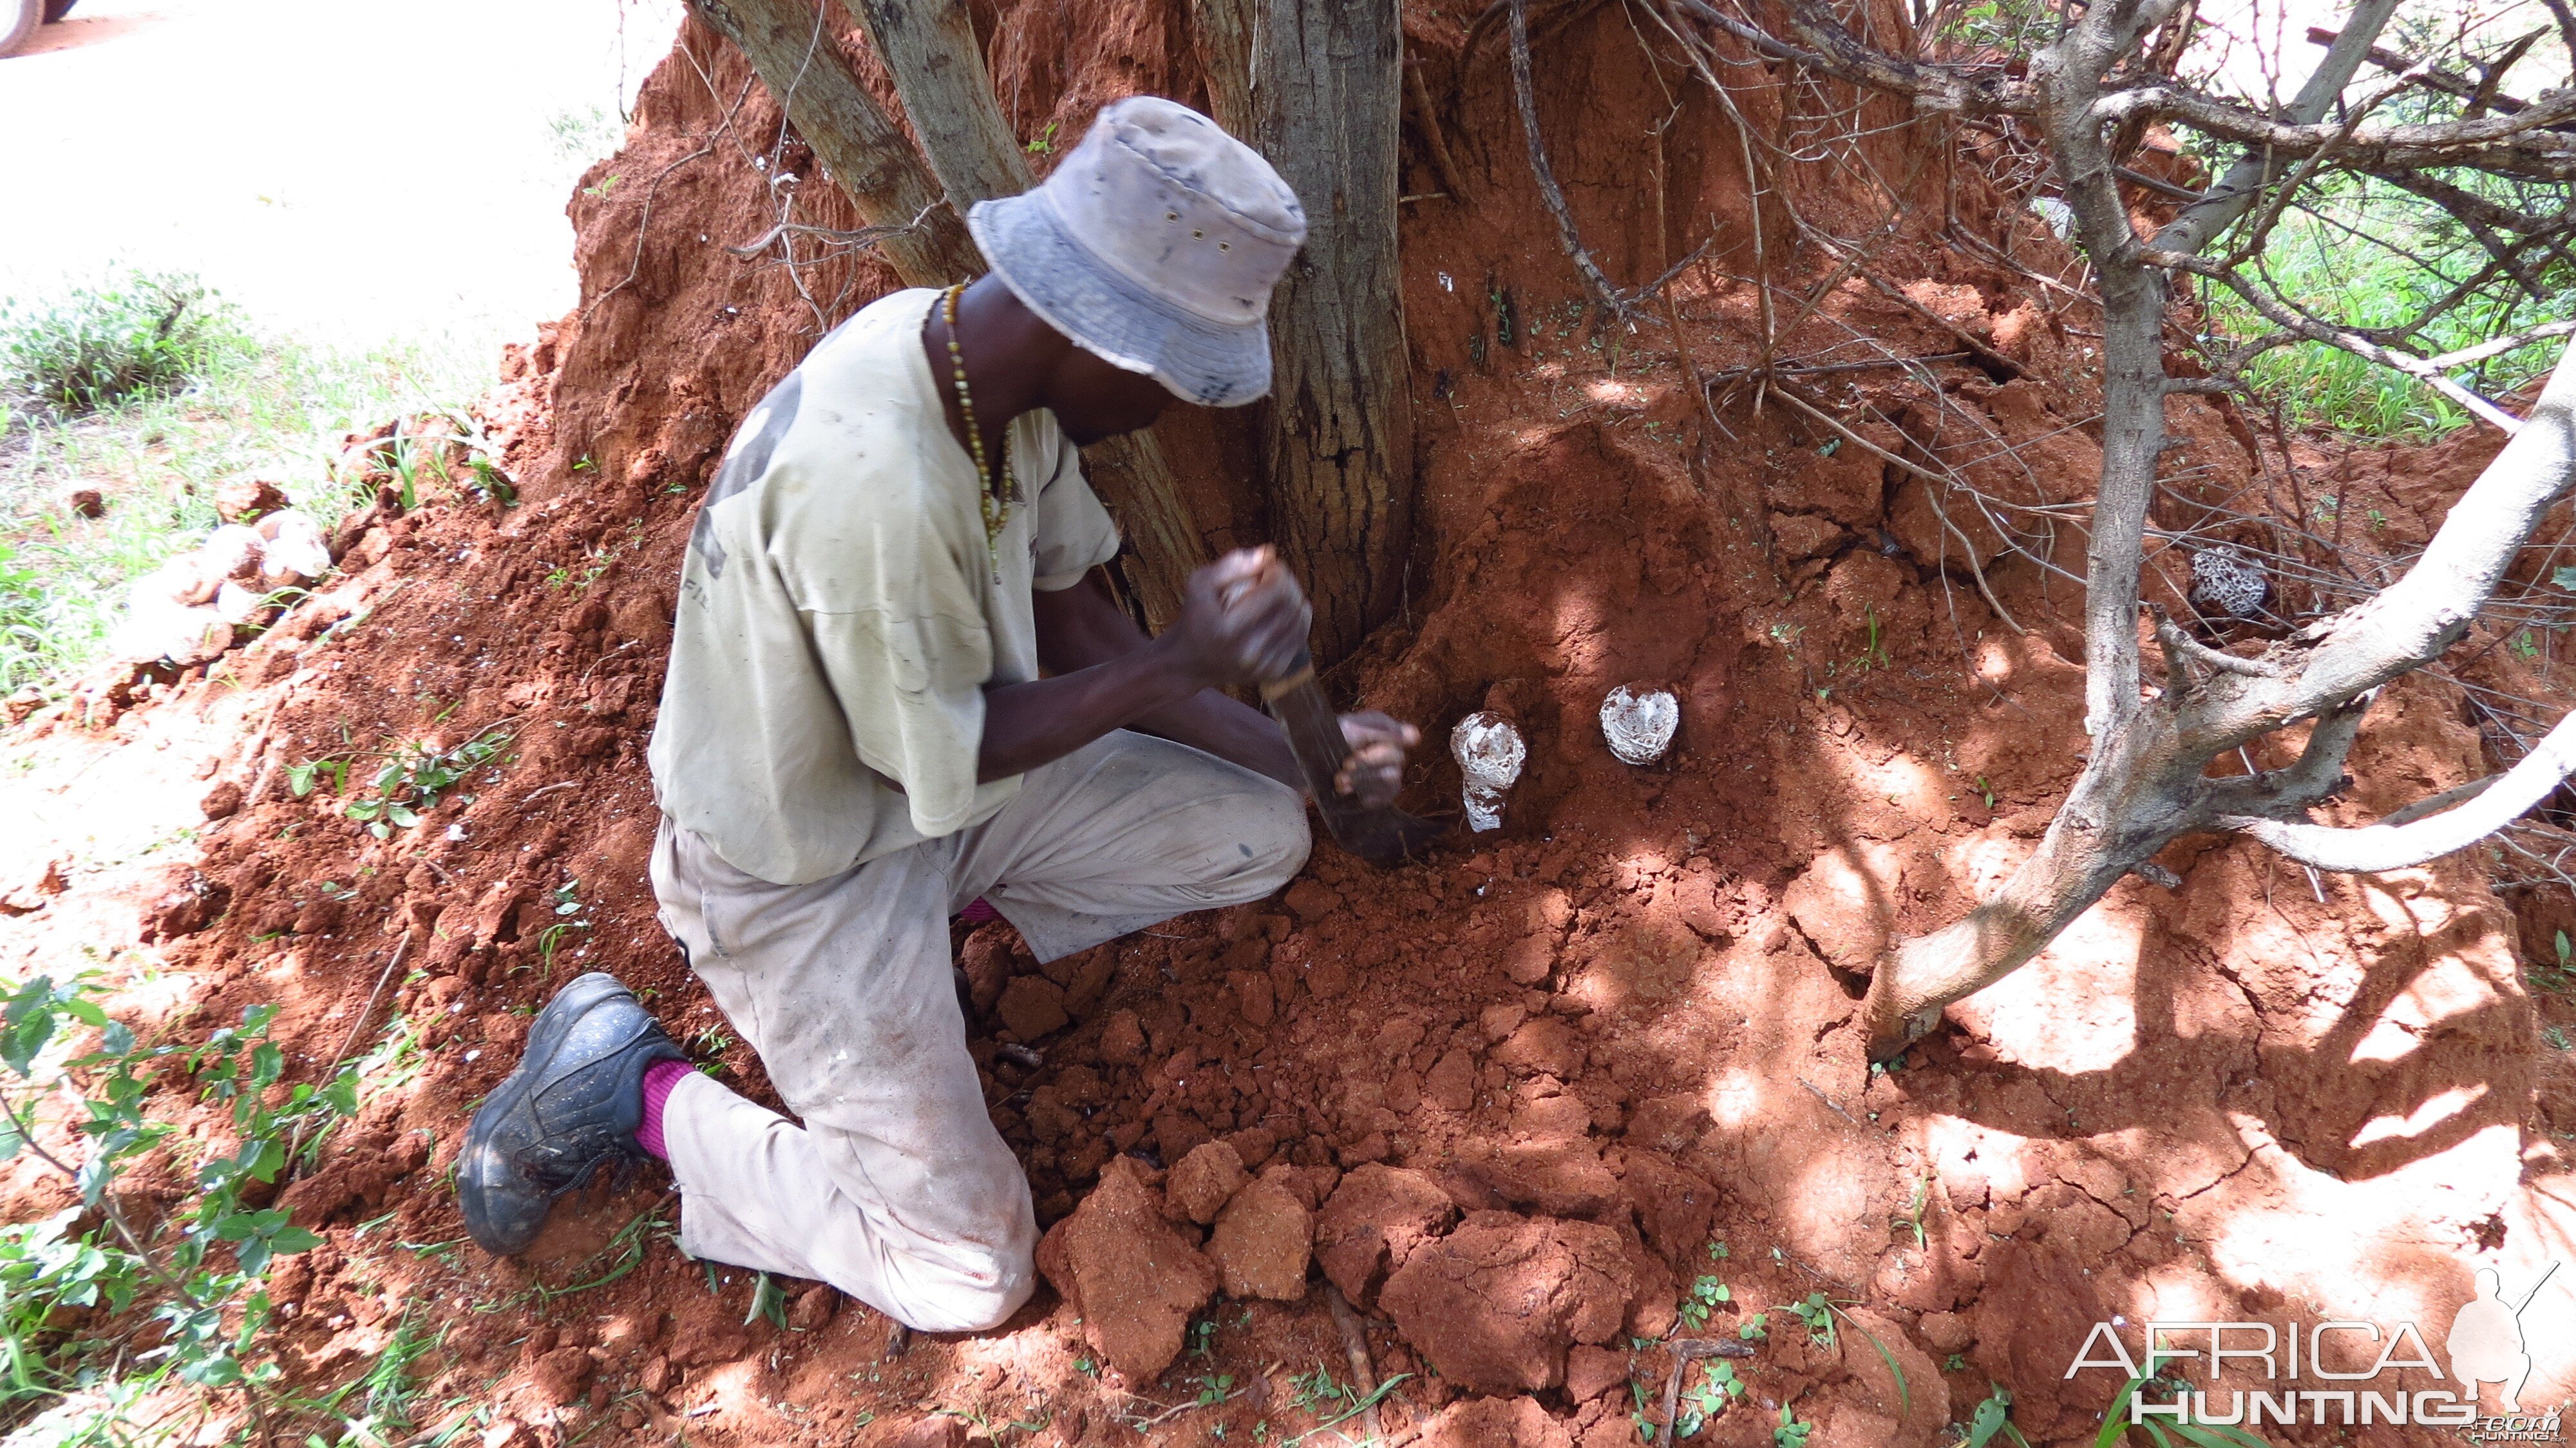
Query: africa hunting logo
{"x": 2486, "y": 1345}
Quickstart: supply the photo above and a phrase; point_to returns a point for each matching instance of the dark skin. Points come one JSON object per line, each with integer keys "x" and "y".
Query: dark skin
{"x": 1243, "y": 618}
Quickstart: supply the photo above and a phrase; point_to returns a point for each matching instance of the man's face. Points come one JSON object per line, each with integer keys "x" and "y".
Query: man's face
{"x": 1093, "y": 399}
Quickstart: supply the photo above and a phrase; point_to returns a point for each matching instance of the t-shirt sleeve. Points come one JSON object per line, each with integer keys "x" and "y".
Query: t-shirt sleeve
{"x": 1074, "y": 533}
{"x": 907, "y": 666}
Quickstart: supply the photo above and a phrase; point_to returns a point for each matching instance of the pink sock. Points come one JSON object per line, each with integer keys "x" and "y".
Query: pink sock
{"x": 659, "y": 1078}
{"x": 978, "y": 911}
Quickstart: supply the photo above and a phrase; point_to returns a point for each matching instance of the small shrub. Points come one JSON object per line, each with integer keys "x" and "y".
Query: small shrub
{"x": 133, "y": 334}
{"x": 70, "y": 1284}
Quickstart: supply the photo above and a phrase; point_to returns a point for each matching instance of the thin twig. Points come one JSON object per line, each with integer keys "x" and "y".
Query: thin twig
{"x": 1604, "y": 295}
{"x": 1354, "y": 1337}
{"x": 1685, "y": 1351}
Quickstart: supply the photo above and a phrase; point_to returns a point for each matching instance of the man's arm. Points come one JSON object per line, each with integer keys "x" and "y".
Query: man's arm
{"x": 1104, "y": 675}
{"x": 1081, "y": 629}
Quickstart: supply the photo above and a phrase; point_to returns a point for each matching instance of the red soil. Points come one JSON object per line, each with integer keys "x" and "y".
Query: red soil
{"x": 1519, "y": 1089}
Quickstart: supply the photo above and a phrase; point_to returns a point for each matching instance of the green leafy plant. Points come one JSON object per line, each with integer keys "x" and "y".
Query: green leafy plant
{"x": 1044, "y": 142}
{"x": 1874, "y": 653}
{"x": 2557, "y": 977}
{"x": 1756, "y": 1328}
{"x": 1817, "y": 1312}
{"x": 23, "y": 621}
{"x": 415, "y": 777}
{"x": 1912, "y": 1220}
{"x": 92, "y": 345}
{"x": 1789, "y": 1432}
{"x": 768, "y": 1300}
{"x": 568, "y": 908}
{"x": 201, "y": 1272}
{"x": 1992, "y": 1417}
{"x": 1702, "y": 1299}
{"x": 1717, "y": 1388}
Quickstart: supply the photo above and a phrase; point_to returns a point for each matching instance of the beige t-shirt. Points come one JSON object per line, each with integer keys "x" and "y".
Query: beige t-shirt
{"x": 841, "y": 615}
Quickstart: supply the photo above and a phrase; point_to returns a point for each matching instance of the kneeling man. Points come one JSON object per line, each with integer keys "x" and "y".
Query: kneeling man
{"x": 896, "y": 689}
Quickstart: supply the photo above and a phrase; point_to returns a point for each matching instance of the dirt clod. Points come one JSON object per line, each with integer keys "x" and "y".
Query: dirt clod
{"x": 1372, "y": 1224}
{"x": 1033, "y": 1006}
{"x": 1262, "y": 1242}
{"x": 1592, "y": 1371}
{"x": 814, "y": 1307}
{"x": 32, "y": 888}
{"x": 1122, "y": 1039}
{"x": 1496, "y": 1303}
{"x": 563, "y": 1375}
{"x": 986, "y": 959}
{"x": 701, "y": 1341}
{"x": 1130, "y": 1273}
{"x": 1498, "y": 1423}
{"x": 247, "y": 500}
{"x": 938, "y": 1432}
{"x": 1205, "y": 1180}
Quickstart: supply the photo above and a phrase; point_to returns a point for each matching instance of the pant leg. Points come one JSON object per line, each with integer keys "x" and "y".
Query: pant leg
{"x": 1124, "y": 832}
{"x": 897, "y": 1189}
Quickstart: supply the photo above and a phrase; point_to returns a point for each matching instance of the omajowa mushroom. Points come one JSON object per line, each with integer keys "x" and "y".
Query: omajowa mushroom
{"x": 185, "y": 610}
{"x": 1489, "y": 753}
{"x": 1639, "y": 723}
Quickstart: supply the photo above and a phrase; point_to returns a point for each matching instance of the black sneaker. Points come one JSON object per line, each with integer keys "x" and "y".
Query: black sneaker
{"x": 575, "y": 1102}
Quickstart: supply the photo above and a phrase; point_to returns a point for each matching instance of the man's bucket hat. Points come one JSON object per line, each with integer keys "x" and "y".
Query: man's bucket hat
{"x": 1154, "y": 245}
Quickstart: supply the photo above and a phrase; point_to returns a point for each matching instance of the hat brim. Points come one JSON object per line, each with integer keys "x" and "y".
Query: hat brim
{"x": 1111, "y": 317}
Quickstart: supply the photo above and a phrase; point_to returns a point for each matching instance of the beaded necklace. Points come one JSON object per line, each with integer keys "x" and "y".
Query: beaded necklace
{"x": 997, "y": 509}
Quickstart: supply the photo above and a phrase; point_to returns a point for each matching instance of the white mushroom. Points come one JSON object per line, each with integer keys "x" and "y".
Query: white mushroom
{"x": 293, "y": 551}
{"x": 1489, "y": 753}
{"x": 1639, "y": 724}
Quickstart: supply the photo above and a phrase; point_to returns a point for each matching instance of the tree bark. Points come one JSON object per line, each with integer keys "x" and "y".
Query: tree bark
{"x": 1318, "y": 88}
{"x": 938, "y": 68}
{"x": 794, "y": 53}
{"x": 939, "y": 74}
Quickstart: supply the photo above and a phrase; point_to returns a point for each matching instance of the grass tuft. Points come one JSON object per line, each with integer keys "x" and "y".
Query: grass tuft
{"x": 130, "y": 334}
{"x": 278, "y": 407}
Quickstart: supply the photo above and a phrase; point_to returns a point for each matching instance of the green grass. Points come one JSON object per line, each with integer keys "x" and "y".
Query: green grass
{"x": 90, "y": 344}
{"x": 2323, "y": 267}
{"x": 276, "y": 406}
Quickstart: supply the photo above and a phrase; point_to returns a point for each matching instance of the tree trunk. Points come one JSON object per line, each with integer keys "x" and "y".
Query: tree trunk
{"x": 2143, "y": 784}
{"x": 1319, "y": 89}
{"x": 787, "y": 42}
{"x": 938, "y": 69}
{"x": 939, "y": 73}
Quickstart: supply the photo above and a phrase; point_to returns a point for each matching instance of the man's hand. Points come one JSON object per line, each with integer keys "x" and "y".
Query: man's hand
{"x": 1243, "y": 620}
{"x": 1375, "y": 769}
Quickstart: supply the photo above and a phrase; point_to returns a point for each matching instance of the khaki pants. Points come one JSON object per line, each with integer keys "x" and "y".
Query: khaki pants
{"x": 897, "y": 1189}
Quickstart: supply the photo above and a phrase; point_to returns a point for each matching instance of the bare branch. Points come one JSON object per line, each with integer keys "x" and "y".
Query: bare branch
{"x": 2433, "y": 77}
{"x": 1603, "y": 294}
{"x": 1833, "y": 51}
{"x": 2394, "y": 847}
{"x": 2415, "y": 619}
{"x": 2433, "y": 804}
{"x": 2183, "y": 646}
{"x": 2518, "y": 145}
{"x": 2226, "y": 201}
